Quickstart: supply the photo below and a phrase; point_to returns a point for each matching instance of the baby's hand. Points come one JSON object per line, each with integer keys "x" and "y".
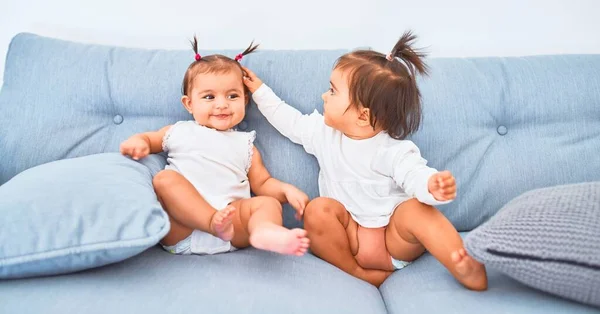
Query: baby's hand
{"x": 296, "y": 198}
{"x": 442, "y": 186}
{"x": 251, "y": 80}
{"x": 135, "y": 147}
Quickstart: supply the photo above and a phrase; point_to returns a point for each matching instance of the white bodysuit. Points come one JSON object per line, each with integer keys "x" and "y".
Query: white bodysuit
{"x": 370, "y": 177}
{"x": 217, "y": 164}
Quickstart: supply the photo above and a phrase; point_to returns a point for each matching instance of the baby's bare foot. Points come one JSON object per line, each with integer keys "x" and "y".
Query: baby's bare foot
{"x": 221, "y": 223}
{"x": 468, "y": 271}
{"x": 278, "y": 239}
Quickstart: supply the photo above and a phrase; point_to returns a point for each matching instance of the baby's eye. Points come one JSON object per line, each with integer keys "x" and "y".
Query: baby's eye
{"x": 209, "y": 97}
{"x": 331, "y": 91}
{"x": 233, "y": 96}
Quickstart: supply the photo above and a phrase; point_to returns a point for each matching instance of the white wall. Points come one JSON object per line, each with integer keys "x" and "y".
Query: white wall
{"x": 448, "y": 28}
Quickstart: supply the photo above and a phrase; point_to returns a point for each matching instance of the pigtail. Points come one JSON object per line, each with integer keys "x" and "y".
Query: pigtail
{"x": 248, "y": 50}
{"x": 195, "y": 48}
{"x": 194, "y": 43}
{"x": 413, "y": 58}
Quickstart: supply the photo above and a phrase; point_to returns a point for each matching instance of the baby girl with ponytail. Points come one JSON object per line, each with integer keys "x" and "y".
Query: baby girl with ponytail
{"x": 211, "y": 169}
{"x": 375, "y": 212}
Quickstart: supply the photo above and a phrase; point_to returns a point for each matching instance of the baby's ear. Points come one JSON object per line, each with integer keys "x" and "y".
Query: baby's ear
{"x": 364, "y": 117}
{"x": 187, "y": 103}
{"x": 248, "y": 95}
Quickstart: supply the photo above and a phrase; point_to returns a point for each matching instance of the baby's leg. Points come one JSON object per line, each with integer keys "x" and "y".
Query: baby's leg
{"x": 258, "y": 222}
{"x": 177, "y": 232}
{"x": 415, "y": 225}
{"x": 188, "y": 209}
{"x": 329, "y": 228}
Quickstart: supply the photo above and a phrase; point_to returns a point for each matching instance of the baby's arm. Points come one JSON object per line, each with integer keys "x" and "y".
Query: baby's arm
{"x": 141, "y": 145}
{"x": 261, "y": 183}
{"x": 290, "y": 122}
{"x": 411, "y": 173}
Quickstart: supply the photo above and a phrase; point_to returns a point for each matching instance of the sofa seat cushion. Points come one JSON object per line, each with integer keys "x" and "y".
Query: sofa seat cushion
{"x": 245, "y": 281}
{"x": 426, "y": 287}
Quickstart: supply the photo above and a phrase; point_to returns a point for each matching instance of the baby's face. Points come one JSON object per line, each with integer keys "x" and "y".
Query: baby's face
{"x": 336, "y": 103}
{"x": 217, "y": 100}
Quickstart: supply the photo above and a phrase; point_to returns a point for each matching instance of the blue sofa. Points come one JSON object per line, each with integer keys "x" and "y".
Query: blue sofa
{"x": 502, "y": 125}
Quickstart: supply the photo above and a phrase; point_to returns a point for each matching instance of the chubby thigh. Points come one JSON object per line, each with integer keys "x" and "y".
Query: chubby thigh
{"x": 374, "y": 248}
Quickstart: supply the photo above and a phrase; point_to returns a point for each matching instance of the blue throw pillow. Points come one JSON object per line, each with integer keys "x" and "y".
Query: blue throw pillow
{"x": 79, "y": 213}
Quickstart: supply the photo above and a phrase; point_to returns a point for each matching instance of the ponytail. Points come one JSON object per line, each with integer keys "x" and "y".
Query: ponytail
{"x": 412, "y": 58}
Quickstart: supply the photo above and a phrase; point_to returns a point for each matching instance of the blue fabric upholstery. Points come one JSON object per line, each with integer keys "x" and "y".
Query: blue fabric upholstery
{"x": 502, "y": 125}
{"x": 495, "y": 111}
{"x": 426, "y": 287}
{"x": 246, "y": 281}
{"x": 79, "y": 213}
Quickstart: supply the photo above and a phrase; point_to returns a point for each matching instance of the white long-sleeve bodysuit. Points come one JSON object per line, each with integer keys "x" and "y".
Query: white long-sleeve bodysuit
{"x": 370, "y": 177}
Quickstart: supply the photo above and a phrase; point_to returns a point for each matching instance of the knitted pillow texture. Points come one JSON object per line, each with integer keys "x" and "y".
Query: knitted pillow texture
{"x": 548, "y": 239}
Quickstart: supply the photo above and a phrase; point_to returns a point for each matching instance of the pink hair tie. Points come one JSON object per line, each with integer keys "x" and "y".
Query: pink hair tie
{"x": 198, "y": 57}
{"x": 239, "y": 57}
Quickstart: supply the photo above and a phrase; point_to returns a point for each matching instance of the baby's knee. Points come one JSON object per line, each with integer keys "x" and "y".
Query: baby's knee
{"x": 318, "y": 210}
{"x": 163, "y": 179}
{"x": 412, "y": 209}
{"x": 267, "y": 203}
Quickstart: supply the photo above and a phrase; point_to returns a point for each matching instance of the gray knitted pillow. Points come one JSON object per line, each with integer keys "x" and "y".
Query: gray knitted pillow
{"x": 548, "y": 239}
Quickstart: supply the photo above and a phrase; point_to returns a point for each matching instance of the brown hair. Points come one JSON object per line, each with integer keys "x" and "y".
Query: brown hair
{"x": 387, "y": 86}
{"x": 213, "y": 64}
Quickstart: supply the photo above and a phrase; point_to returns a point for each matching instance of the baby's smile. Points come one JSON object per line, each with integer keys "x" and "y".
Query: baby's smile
{"x": 222, "y": 116}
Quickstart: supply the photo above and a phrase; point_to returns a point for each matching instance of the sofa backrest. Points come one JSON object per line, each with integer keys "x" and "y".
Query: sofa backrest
{"x": 508, "y": 125}
{"x": 502, "y": 125}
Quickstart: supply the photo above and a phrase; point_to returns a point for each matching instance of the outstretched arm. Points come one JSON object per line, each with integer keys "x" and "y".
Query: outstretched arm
{"x": 291, "y": 123}
{"x": 411, "y": 173}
